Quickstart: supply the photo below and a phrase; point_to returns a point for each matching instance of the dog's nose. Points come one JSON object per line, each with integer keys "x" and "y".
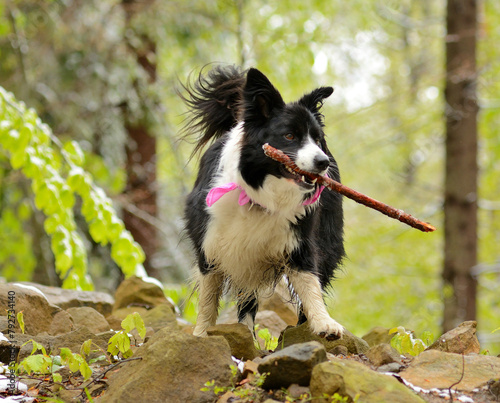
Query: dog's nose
{"x": 321, "y": 162}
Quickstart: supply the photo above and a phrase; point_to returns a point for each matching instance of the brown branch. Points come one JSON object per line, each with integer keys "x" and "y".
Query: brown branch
{"x": 358, "y": 197}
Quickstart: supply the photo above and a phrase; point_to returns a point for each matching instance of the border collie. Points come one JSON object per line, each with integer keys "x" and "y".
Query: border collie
{"x": 252, "y": 222}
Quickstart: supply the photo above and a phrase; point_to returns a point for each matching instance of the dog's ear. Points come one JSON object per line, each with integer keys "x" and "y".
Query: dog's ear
{"x": 260, "y": 97}
{"x": 314, "y": 100}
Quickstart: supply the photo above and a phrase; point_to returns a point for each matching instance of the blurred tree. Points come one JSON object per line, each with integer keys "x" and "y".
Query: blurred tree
{"x": 461, "y": 172}
{"x": 141, "y": 207}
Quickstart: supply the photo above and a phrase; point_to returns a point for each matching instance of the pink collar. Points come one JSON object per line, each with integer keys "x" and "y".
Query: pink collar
{"x": 216, "y": 193}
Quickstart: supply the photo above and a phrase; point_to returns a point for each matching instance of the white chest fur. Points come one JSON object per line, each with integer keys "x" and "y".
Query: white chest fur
{"x": 249, "y": 243}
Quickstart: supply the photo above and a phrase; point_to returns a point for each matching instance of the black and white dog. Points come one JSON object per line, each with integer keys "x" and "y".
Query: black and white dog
{"x": 252, "y": 222}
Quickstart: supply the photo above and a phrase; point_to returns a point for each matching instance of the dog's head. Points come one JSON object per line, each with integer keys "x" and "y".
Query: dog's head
{"x": 295, "y": 128}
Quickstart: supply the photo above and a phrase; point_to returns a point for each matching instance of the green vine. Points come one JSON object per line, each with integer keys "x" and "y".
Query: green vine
{"x": 57, "y": 176}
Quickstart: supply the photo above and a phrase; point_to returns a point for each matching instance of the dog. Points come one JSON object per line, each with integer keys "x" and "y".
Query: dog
{"x": 252, "y": 222}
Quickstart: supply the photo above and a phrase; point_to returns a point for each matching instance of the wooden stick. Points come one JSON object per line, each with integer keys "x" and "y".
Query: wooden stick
{"x": 358, "y": 197}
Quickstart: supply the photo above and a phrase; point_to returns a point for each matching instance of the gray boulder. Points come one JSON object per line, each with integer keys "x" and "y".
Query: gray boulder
{"x": 293, "y": 364}
{"x": 302, "y": 334}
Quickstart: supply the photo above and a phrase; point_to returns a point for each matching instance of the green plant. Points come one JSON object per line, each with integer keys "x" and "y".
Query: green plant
{"x": 270, "y": 342}
{"x": 336, "y": 398}
{"x": 405, "y": 343}
{"x": 20, "y": 320}
{"x": 57, "y": 177}
{"x": 47, "y": 364}
{"x": 249, "y": 393}
{"x": 120, "y": 342}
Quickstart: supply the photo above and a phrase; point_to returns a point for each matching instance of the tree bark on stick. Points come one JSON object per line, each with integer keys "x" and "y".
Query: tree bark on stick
{"x": 460, "y": 193}
{"x": 358, "y": 197}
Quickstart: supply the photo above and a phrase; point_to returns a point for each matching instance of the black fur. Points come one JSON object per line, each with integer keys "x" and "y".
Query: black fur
{"x": 218, "y": 102}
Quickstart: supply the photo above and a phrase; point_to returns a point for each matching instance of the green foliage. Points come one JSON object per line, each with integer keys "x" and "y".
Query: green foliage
{"x": 57, "y": 177}
{"x": 120, "y": 342}
{"x": 405, "y": 343}
{"x": 75, "y": 362}
{"x": 38, "y": 363}
{"x": 249, "y": 393}
{"x": 270, "y": 342}
{"x": 336, "y": 398}
{"x": 47, "y": 364}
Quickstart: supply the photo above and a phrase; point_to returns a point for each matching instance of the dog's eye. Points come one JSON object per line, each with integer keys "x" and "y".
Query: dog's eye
{"x": 289, "y": 136}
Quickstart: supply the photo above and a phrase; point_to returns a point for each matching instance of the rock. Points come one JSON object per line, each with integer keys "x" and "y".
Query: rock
{"x": 293, "y": 364}
{"x": 174, "y": 367}
{"x": 239, "y": 338}
{"x": 8, "y": 352}
{"x": 134, "y": 291}
{"x": 90, "y": 318}
{"x": 378, "y": 335}
{"x": 393, "y": 367}
{"x": 69, "y": 395}
{"x": 383, "y": 354}
{"x": 61, "y": 323}
{"x": 52, "y": 344}
{"x": 460, "y": 340}
{"x": 296, "y": 391}
{"x": 159, "y": 317}
{"x": 494, "y": 388}
{"x": 4, "y": 324}
{"x": 278, "y": 302}
{"x": 38, "y": 312}
{"x": 339, "y": 350}
{"x": 272, "y": 321}
{"x": 302, "y": 334}
{"x": 351, "y": 378}
{"x": 64, "y": 299}
{"x": 249, "y": 367}
{"x": 438, "y": 369}
{"x": 122, "y": 313}
{"x": 115, "y": 323}
{"x": 228, "y": 397}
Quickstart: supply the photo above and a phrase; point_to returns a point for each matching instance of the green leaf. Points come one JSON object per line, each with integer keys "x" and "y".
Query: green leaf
{"x": 85, "y": 370}
{"x": 20, "y": 320}
{"x": 56, "y": 377}
{"x": 74, "y": 152}
{"x": 134, "y": 321}
{"x": 65, "y": 354}
{"x": 37, "y": 363}
{"x": 85, "y": 349}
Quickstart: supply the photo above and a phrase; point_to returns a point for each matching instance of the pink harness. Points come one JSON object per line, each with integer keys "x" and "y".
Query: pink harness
{"x": 216, "y": 193}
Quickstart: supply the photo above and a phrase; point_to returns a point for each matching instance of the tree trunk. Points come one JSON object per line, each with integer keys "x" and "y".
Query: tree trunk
{"x": 460, "y": 198}
{"x": 141, "y": 185}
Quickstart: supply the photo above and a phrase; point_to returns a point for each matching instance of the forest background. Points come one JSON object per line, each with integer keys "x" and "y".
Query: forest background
{"x": 103, "y": 75}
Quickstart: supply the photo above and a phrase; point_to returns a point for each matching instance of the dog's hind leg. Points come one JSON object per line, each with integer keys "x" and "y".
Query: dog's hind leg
{"x": 308, "y": 288}
{"x": 209, "y": 292}
{"x": 247, "y": 309}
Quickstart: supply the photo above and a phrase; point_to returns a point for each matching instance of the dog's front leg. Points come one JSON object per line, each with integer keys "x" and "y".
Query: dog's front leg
{"x": 209, "y": 292}
{"x": 308, "y": 288}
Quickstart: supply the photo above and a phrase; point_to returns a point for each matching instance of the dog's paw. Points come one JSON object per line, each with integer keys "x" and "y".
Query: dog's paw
{"x": 328, "y": 329}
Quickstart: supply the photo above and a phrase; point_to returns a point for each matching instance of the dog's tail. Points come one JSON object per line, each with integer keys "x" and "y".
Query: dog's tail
{"x": 214, "y": 101}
